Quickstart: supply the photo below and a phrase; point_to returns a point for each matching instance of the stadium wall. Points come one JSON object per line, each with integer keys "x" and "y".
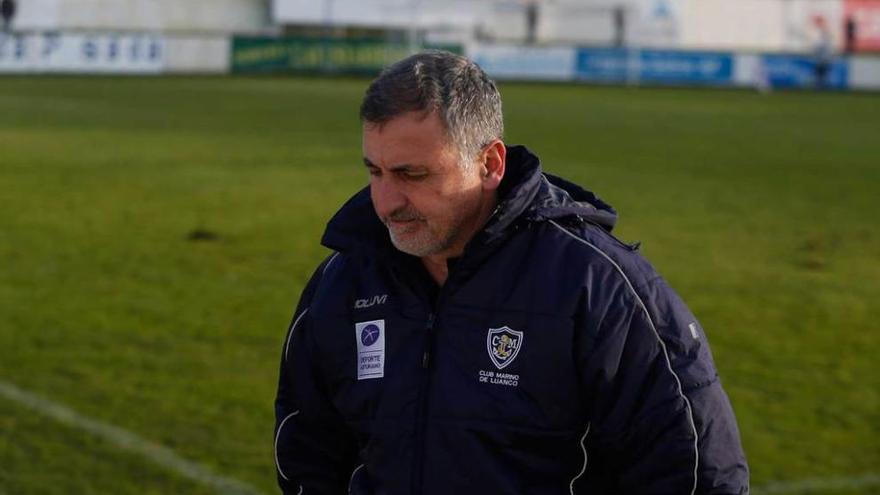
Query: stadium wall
{"x": 145, "y": 52}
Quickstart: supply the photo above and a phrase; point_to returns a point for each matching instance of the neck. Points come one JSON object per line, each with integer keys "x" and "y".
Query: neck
{"x": 437, "y": 268}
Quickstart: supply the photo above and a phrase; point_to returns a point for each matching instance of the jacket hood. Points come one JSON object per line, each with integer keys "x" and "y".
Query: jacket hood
{"x": 526, "y": 193}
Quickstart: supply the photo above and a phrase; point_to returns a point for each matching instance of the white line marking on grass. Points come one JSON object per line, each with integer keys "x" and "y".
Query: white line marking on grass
{"x": 128, "y": 441}
{"x": 819, "y": 485}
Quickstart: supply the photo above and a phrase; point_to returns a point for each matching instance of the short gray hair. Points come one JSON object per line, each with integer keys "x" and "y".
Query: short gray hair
{"x": 453, "y": 86}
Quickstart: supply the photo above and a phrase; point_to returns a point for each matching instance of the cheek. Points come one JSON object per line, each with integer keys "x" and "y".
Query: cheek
{"x": 451, "y": 208}
{"x": 447, "y": 200}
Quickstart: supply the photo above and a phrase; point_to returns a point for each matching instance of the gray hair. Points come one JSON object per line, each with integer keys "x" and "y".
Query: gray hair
{"x": 453, "y": 86}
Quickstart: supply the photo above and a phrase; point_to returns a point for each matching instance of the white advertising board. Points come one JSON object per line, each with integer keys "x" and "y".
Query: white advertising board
{"x": 197, "y": 54}
{"x": 864, "y": 73}
{"x": 520, "y": 62}
{"x": 129, "y": 53}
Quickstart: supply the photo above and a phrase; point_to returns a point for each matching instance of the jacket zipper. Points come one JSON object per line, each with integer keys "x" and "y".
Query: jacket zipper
{"x": 426, "y": 356}
{"x": 422, "y": 414}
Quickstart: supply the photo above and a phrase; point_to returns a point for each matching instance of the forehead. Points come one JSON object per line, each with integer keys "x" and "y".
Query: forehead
{"x": 412, "y": 138}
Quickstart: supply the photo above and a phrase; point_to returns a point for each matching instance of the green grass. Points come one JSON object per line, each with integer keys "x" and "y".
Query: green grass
{"x": 760, "y": 210}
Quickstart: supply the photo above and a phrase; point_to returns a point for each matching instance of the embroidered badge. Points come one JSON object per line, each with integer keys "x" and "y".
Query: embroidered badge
{"x": 503, "y": 345}
{"x": 370, "y": 337}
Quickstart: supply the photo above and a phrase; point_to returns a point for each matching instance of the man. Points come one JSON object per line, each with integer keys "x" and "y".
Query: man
{"x": 824, "y": 54}
{"x": 7, "y": 12}
{"x": 478, "y": 330}
{"x": 851, "y": 35}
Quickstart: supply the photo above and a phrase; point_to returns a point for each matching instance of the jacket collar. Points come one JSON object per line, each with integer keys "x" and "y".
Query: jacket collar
{"x": 526, "y": 194}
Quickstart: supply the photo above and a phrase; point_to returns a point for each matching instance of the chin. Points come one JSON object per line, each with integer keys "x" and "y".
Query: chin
{"x": 416, "y": 247}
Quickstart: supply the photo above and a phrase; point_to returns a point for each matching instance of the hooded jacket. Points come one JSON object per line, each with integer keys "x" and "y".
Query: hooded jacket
{"x": 554, "y": 360}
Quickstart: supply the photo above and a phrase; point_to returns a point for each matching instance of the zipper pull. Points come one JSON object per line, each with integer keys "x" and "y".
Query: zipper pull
{"x": 426, "y": 356}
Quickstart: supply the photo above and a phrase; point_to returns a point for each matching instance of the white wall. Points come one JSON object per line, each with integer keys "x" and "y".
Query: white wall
{"x": 724, "y": 24}
{"x": 204, "y": 16}
{"x": 688, "y": 24}
{"x": 767, "y": 25}
{"x": 588, "y": 23}
{"x": 392, "y": 13}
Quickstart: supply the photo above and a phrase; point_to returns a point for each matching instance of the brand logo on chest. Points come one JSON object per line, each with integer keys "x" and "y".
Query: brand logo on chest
{"x": 370, "y": 301}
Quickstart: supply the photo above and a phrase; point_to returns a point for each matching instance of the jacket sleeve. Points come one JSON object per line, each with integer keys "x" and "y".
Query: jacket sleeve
{"x": 314, "y": 451}
{"x": 660, "y": 423}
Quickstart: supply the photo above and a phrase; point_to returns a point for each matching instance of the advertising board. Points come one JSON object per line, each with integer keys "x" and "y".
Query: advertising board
{"x": 527, "y": 63}
{"x": 50, "y": 51}
{"x": 269, "y": 54}
{"x": 654, "y": 66}
{"x": 864, "y": 72}
{"x": 798, "y": 71}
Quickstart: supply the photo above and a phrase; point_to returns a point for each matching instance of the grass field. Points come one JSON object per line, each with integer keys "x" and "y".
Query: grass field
{"x": 761, "y": 210}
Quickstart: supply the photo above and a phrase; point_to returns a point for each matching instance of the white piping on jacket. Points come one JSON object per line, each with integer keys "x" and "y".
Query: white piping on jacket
{"x": 659, "y": 340}
{"x": 329, "y": 262}
{"x": 352, "y": 477}
{"x": 277, "y": 435}
{"x": 584, "y": 467}
{"x": 293, "y": 327}
{"x": 290, "y": 332}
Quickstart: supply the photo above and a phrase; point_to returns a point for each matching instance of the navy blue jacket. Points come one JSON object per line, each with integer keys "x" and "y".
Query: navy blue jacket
{"x": 554, "y": 360}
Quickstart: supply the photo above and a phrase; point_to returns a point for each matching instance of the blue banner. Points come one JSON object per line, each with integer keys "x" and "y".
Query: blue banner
{"x": 606, "y": 64}
{"x": 686, "y": 67}
{"x": 654, "y": 66}
{"x": 801, "y": 71}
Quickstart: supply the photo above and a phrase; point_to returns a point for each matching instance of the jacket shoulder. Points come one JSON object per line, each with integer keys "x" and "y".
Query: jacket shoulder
{"x": 614, "y": 270}
{"x": 602, "y": 252}
{"x": 328, "y": 282}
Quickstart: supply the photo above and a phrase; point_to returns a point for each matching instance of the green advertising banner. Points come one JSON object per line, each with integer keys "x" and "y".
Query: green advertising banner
{"x": 266, "y": 54}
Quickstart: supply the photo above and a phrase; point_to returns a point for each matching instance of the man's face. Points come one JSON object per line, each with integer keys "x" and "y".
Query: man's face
{"x": 431, "y": 205}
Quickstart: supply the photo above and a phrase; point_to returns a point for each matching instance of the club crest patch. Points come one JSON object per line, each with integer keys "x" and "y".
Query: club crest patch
{"x": 503, "y": 345}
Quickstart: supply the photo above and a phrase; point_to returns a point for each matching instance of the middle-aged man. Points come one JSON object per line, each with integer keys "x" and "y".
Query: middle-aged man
{"x": 478, "y": 330}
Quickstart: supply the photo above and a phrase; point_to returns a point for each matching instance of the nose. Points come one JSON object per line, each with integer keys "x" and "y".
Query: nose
{"x": 387, "y": 197}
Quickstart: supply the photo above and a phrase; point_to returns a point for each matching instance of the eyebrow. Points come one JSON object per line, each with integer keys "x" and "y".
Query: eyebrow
{"x": 397, "y": 168}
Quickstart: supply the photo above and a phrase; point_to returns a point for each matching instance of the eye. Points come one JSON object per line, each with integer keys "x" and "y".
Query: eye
{"x": 413, "y": 176}
{"x": 375, "y": 172}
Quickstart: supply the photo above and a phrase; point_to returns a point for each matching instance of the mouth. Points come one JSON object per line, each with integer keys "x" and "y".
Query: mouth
{"x": 402, "y": 222}
{"x": 403, "y": 225}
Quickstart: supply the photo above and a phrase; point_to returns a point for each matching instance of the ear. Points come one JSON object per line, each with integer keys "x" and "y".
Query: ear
{"x": 492, "y": 164}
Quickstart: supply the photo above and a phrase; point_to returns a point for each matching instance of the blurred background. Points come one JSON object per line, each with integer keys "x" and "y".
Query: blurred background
{"x": 167, "y": 168}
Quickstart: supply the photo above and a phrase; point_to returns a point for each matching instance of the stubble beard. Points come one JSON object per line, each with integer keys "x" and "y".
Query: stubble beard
{"x": 441, "y": 233}
{"x": 417, "y": 239}
{"x": 420, "y": 239}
